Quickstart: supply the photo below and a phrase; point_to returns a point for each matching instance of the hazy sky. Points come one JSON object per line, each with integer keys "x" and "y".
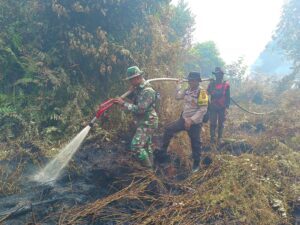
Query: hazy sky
{"x": 238, "y": 27}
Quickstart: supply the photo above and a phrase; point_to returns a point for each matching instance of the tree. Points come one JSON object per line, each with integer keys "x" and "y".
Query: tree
{"x": 288, "y": 37}
{"x": 59, "y": 58}
{"x": 288, "y": 34}
{"x": 204, "y": 57}
{"x": 182, "y": 23}
{"x": 235, "y": 72}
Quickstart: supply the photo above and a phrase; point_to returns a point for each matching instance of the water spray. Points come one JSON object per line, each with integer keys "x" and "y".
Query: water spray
{"x": 52, "y": 170}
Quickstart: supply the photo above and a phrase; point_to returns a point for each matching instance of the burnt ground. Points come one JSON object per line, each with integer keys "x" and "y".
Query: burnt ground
{"x": 96, "y": 171}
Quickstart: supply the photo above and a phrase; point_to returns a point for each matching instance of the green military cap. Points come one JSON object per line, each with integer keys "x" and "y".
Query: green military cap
{"x": 132, "y": 72}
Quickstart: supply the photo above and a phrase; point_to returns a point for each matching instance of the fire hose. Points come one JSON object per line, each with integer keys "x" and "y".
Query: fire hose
{"x": 107, "y": 104}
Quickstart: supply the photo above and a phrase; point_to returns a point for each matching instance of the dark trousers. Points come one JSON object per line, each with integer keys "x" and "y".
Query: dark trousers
{"x": 193, "y": 132}
{"x": 217, "y": 118}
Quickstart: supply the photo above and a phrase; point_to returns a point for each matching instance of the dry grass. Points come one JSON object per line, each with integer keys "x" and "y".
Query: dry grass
{"x": 261, "y": 187}
{"x": 257, "y": 188}
{"x": 9, "y": 180}
{"x": 248, "y": 189}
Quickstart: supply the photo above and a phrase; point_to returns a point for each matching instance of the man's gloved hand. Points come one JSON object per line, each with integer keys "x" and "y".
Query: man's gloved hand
{"x": 179, "y": 84}
{"x": 119, "y": 101}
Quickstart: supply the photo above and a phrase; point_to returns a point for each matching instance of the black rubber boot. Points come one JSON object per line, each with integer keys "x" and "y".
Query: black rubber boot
{"x": 196, "y": 166}
{"x": 161, "y": 156}
{"x": 220, "y": 134}
{"x": 212, "y": 135}
{"x": 147, "y": 163}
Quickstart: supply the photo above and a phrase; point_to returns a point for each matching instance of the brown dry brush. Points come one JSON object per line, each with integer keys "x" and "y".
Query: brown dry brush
{"x": 107, "y": 208}
{"x": 257, "y": 188}
{"x": 248, "y": 189}
{"x": 261, "y": 187}
{"x": 10, "y": 176}
{"x": 9, "y": 180}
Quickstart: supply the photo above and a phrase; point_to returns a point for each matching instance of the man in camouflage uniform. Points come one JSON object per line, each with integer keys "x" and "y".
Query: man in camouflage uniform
{"x": 143, "y": 98}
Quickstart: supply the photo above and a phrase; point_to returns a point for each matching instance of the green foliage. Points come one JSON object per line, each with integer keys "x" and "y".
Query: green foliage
{"x": 59, "y": 59}
{"x": 287, "y": 33}
{"x": 7, "y": 110}
{"x": 182, "y": 22}
{"x": 12, "y": 125}
{"x": 204, "y": 57}
{"x": 11, "y": 69}
{"x": 235, "y": 72}
{"x": 6, "y": 104}
{"x": 15, "y": 38}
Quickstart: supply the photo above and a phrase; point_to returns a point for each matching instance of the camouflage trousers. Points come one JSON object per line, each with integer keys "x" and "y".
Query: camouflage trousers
{"x": 141, "y": 144}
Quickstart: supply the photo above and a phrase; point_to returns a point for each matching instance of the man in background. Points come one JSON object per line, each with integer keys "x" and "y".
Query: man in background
{"x": 219, "y": 92}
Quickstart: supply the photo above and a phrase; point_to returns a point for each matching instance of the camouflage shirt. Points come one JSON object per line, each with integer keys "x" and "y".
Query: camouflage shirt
{"x": 143, "y": 105}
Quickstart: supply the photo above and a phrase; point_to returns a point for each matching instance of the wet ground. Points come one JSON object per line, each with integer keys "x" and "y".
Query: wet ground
{"x": 91, "y": 175}
{"x": 96, "y": 171}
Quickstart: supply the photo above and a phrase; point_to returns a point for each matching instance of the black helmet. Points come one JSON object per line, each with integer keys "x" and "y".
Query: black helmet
{"x": 194, "y": 76}
{"x": 218, "y": 71}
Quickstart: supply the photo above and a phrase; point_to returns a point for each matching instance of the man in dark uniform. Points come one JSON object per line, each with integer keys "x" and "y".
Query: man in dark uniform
{"x": 190, "y": 119}
{"x": 219, "y": 92}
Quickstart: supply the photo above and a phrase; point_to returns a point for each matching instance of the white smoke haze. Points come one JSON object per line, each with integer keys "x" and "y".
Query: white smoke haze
{"x": 240, "y": 28}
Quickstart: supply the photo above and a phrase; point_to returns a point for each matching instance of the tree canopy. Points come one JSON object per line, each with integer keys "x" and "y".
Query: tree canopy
{"x": 204, "y": 57}
{"x": 288, "y": 37}
{"x": 288, "y": 31}
{"x": 60, "y": 58}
